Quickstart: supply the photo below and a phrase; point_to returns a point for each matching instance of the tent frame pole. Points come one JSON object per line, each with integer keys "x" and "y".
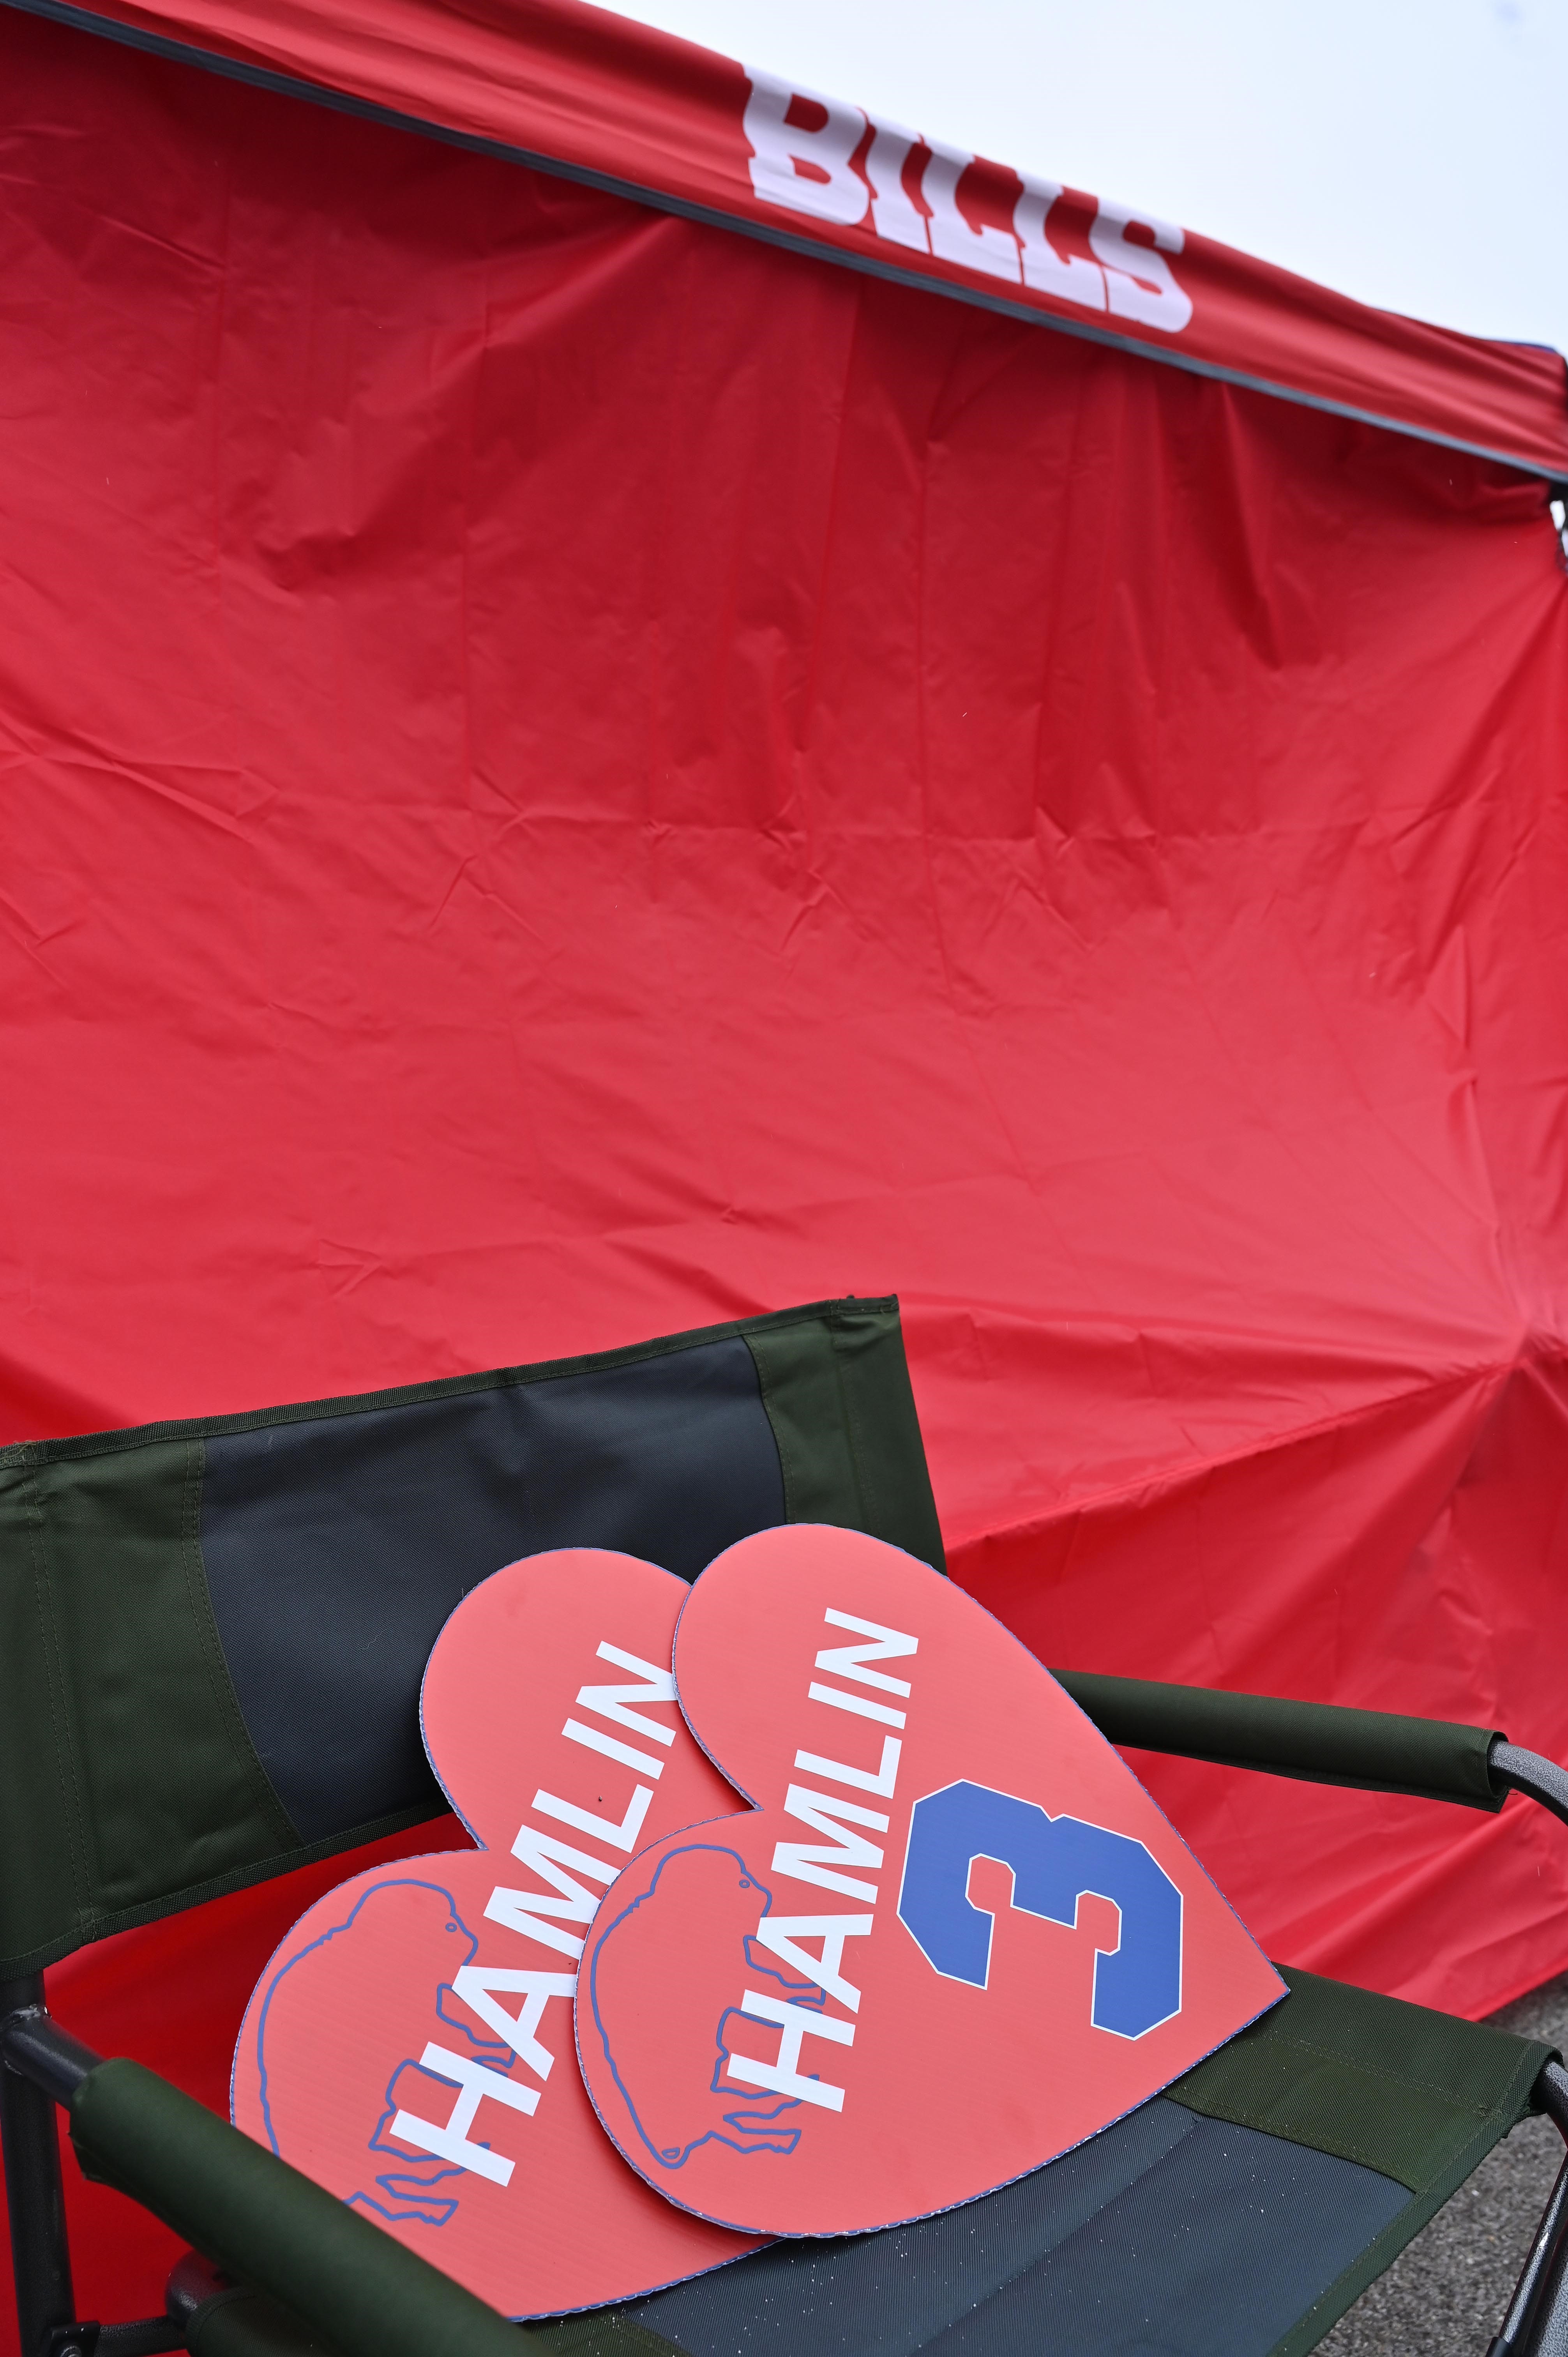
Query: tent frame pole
{"x": 1536, "y": 2324}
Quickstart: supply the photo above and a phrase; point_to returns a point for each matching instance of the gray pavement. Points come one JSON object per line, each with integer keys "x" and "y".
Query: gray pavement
{"x": 1444, "y": 2297}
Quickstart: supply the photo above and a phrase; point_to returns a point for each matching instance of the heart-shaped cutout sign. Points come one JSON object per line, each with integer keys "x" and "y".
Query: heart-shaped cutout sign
{"x": 410, "y": 2044}
{"x": 953, "y": 1938}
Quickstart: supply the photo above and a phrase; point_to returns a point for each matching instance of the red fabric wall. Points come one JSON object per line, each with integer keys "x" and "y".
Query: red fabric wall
{"x": 569, "y": 775}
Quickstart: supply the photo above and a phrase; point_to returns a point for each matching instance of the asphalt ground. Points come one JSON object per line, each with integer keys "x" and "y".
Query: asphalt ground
{"x": 1445, "y": 2294}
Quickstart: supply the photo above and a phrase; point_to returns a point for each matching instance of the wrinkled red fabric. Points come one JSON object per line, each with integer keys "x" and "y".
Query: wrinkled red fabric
{"x": 569, "y": 775}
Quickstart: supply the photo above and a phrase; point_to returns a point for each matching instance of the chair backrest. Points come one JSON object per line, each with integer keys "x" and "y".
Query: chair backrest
{"x": 212, "y": 1632}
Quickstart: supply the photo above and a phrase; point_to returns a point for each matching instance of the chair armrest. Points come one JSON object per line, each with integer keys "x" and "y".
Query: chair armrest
{"x": 351, "y": 2286}
{"x": 1319, "y": 1742}
{"x": 263, "y": 2222}
{"x": 314, "y": 2277}
{"x": 1539, "y": 1780}
{"x": 245, "y": 2324}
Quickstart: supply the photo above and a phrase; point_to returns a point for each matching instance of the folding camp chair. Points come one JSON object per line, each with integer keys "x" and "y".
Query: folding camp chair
{"x": 191, "y": 1703}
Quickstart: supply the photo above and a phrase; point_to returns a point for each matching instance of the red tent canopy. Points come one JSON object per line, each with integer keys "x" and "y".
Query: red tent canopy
{"x": 571, "y": 774}
{"x": 575, "y": 91}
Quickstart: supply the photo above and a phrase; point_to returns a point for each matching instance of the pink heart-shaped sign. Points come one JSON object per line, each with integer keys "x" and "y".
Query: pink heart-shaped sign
{"x": 953, "y": 1938}
{"x": 410, "y": 2044}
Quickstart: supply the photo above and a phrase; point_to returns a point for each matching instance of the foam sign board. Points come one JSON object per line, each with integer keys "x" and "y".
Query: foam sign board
{"x": 953, "y": 1938}
{"x": 410, "y": 2044}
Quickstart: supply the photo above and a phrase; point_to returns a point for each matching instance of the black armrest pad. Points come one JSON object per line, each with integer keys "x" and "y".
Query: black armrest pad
{"x": 1319, "y": 1742}
{"x": 364, "y": 2293}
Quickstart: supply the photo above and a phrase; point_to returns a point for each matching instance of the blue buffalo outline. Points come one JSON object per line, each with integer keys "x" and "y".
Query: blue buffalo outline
{"x": 749, "y": 2120}
{"x": 1055, "y": 1862}
{"x": 417, "y": 2194}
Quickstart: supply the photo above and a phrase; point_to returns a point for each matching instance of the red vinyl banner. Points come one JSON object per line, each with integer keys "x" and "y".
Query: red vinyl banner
{"x": 577, "y": 89}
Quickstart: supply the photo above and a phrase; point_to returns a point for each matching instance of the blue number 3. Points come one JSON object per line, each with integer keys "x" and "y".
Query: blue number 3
{"x": 1054, "y": 1860}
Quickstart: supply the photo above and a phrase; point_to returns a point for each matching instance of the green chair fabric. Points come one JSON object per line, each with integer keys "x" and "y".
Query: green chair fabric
{"x": 1414, "y": 2095}
{"x": 187, "y": 1699}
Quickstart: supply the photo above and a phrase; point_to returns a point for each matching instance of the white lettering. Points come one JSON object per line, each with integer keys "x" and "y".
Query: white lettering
{"x": 1138, "y": 280}
{"x": 476, "y": 1985}
{"x": 451, "y": 2142}
{"x": 610, "y": 1702}
{"x": 850, "y": 1661}
{"x": 780, "y": 148}
{"x": 1073, "y": 277}
{"x": 519, "y": 1911}
{"x": 989, "y": 249}
{"x": 779, "y": 1935}
{"x": 783, "y": 2077}
{"x": 864, "y": 1779}
{"x": 830, "y": 1814}
{"x": 583, "y": 1821}
{"x": 897, "y": 216}
{"x": 823, "y": 1812}
{"x": 812, "y": 171}
{"x": 862, "y": 1709}
{"x": 612, "y": 1747}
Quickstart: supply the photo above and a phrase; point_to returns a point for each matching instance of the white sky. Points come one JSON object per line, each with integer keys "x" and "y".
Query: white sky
{"x": 1413, "y": 155}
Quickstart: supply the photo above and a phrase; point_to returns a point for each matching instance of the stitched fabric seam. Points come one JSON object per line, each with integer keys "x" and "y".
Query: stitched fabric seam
{"x": 851, "y": 1423}
{"x": 65, "y": 1736}
{"x": 1497, "y": 2117}
{"x": 73, "y": 1449}
{"x": 101, "y": 1923}
{"x": 1377, "y": 2071}
{"x": 765, "y": 1389}
{"x": 865, "y": 1479}
{"x": 221, "y": 1685}
{"x": 1027, "y": 2266}
{"x": 1400, "y": 2231}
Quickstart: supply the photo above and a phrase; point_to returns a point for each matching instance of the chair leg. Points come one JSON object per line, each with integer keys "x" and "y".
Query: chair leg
{"x": 1536, "y": 2322}
{"x": 35, "y": 2194}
